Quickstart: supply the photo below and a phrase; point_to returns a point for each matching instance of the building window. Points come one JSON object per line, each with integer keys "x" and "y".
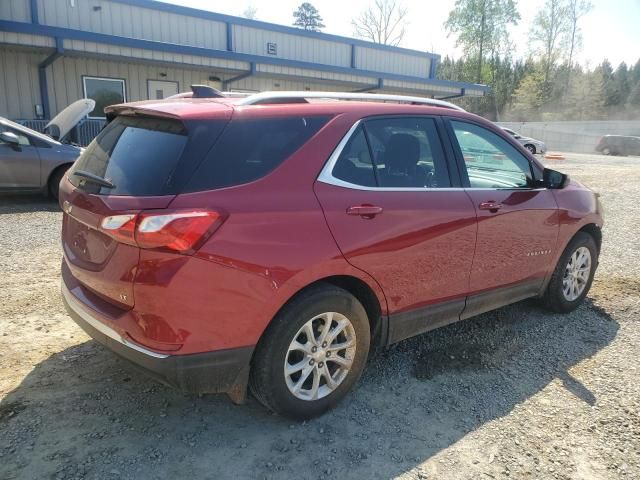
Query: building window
{"x": 105, "y": 92}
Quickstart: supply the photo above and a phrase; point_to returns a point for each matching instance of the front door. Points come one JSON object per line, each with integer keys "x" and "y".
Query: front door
{"x": 388, "y": 198}
{"x": 19, "y": 165}
{"x": 160, "y": 89}
{"x": 517, "y": 220}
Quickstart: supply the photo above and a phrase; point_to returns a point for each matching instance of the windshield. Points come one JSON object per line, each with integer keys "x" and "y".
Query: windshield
{"x": 29, "y": 131}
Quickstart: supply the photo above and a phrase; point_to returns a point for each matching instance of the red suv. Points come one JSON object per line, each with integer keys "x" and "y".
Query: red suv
{"x": 274, "y": 240}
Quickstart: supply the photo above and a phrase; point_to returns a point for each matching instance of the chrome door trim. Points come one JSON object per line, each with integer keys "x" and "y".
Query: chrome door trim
{"x": 326, "y": 175}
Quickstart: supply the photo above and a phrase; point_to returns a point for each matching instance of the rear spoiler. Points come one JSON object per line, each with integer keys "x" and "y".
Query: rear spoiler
{"x": 113, "y": 111}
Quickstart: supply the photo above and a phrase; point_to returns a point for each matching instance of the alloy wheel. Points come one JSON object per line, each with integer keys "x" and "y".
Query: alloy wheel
{"x": 576, "y": 274}
{"x": 320, "y": 356}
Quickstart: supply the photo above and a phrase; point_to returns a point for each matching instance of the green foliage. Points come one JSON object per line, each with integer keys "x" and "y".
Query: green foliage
{"x": 529, "y": 96}
{"x": 308, "y": 17}
{"x": 546, "y": 86}
{"x": 480, "y": 27}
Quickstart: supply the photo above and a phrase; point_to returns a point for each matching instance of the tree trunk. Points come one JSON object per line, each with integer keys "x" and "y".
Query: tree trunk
{"x": 480, "y": 56}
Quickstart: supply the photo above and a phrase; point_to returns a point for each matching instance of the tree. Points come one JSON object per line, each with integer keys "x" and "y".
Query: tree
{"x": 250, "y": 12}
{"x": 621, "y": 84}
{"x": 585, "y": 98}
{"x": 576, "y": 9}
{"x": 529, "y": 97}
{"x": 634, "y": 98}
{"x": 308, "y": 17}
{"x": 549, "y": 32}
{"x": 605, "y": 70}
{"x": 481, "y": 27}
{"x": 383, "y": 22}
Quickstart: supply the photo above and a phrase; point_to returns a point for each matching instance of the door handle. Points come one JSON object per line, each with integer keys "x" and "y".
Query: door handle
{"x": 365, "y": 211}
{"x": 492, "y": 206}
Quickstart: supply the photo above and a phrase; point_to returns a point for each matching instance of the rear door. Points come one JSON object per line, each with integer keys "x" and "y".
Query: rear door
{"x": 517, "y": 220}
{"x": 391, "y": 202}
{"x": 146, "y": 160}
{"x": 19, "y": 165}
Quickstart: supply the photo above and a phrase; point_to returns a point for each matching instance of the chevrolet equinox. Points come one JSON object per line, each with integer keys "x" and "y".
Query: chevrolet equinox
{"x": 273, "y": 241}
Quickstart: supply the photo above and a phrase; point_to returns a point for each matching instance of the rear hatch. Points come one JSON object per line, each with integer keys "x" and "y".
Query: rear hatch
{"x": 134, "y": 168}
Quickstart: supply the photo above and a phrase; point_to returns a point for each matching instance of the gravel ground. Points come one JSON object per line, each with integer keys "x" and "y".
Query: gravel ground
{"x": 517, "y": 393}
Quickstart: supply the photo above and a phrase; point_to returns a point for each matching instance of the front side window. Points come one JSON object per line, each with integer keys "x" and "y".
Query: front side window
{"x": 491, "y": 162}
{"x": 105, "y": 92}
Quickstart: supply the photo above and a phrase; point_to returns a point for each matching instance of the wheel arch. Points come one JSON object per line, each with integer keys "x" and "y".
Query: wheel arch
{"x": 54, "y": 171}
{"x": 593, "y": 230}
{"x": 366, "y": 295}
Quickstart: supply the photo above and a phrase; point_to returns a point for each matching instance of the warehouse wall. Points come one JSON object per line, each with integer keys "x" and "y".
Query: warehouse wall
{"x": 128, "y": 21}
{"x": 19, "y": 75}
{"x": 121, "y": 19}
{"x": 16, "y": 10}
{"x": 65, "y": 77}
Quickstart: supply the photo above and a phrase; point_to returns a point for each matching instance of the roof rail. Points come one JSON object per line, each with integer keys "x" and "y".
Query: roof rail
{"x": 295, "y": 97}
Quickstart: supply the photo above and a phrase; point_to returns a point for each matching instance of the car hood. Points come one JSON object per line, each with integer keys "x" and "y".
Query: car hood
{"x": 61, "y": 124}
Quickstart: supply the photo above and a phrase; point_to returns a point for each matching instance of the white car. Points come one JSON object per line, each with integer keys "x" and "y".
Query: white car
{"x": 531, "y": 144}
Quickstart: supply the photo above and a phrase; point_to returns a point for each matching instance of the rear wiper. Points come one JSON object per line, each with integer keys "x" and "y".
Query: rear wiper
{"x": 90, "y": 177}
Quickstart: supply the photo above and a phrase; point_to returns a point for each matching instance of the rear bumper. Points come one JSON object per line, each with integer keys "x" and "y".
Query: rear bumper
{"x": 223, "y": 371}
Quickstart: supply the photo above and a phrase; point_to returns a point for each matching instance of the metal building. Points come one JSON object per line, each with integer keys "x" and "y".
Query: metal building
{"x": 53, "y": 52}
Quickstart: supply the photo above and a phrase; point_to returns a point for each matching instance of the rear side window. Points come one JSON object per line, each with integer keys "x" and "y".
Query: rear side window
{"x": 249, "y": 149}
{"x": 137, "y": 155}
{"x": 355, "y": 165}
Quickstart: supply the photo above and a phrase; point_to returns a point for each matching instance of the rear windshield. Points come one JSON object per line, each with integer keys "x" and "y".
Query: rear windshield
{"x": 137, "y": 155}
{"x": 249, "y": 149}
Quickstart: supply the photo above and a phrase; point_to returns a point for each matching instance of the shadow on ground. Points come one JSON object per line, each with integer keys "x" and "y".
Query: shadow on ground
{"x": 27, "y": 204}
{"x": 82, "y": 412}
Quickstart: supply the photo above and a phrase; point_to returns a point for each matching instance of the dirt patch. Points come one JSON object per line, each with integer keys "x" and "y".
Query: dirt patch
{"x": 516, "y": 393}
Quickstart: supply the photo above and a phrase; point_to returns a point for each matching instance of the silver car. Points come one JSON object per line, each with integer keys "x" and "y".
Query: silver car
{"x": 31, "y": 162}
{"x": 531, "y": 144}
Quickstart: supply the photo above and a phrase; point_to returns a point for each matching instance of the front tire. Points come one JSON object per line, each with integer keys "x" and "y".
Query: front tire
{"x": 573, "y": 275}
{"x": 312, "y": 354}
{"x": 531, "y": 148}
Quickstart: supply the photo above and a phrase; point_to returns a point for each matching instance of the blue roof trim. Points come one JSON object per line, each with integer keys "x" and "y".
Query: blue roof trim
{"x": 71, "y": 34}
{"x": 221, "y": 17}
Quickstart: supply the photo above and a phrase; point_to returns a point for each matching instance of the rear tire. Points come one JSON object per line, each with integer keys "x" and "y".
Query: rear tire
{"x": 286, "y": 353}
{"x": 606, "y": 151}
{"x": 55, "y": 179}
{"x": 573, "y": 275}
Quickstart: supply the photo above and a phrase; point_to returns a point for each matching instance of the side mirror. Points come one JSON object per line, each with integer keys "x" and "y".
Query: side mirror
{"x": 10, "y": 138}
{"x": 554, "y": 179}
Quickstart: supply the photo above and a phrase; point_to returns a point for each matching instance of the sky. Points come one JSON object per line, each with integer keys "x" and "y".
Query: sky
{"x": 611, "y": 30}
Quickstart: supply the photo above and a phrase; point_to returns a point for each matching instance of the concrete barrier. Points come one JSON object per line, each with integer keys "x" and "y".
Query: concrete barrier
{"x": 580, "y": 137}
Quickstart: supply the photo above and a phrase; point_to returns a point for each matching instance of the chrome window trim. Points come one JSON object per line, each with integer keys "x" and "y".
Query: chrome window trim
{"x": 326, "y": 174}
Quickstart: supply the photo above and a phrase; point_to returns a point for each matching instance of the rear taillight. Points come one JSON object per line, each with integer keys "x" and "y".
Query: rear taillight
{"x": 181, "y": 231}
